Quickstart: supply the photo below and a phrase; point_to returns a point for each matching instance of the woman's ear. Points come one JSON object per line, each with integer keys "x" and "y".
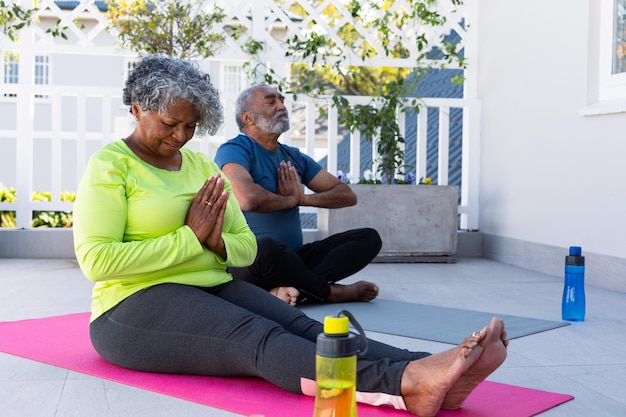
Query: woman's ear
{"x": 135, "y": 110}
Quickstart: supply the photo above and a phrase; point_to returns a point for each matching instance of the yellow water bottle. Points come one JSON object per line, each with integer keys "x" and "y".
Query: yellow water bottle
{"x": 335, "y": 365}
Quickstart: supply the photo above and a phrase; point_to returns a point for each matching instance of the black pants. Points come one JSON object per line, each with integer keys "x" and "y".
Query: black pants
{"x": 312, "y": 268}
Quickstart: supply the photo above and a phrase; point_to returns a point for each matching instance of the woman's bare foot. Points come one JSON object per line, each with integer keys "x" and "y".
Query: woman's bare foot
{"x": 359, "y": 291}
{"x": 425, "y": 382}
{"x": 493, "y": 354}
{"x": 287, "y": 294}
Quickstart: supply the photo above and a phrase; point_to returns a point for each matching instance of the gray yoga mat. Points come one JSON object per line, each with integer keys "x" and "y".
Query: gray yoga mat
{"x": 420, "y": 321}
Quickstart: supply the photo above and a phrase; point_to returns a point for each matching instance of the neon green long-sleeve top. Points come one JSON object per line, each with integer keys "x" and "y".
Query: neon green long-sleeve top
{"x": 130, "y": 232}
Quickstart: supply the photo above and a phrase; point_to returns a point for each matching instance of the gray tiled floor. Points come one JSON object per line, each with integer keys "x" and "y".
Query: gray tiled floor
{"x": 587, "y": 360}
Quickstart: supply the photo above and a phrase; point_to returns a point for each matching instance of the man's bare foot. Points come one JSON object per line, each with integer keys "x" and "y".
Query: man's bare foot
{"x": 287, "y": 294}
{"x": 425, "y": 382}
{"x": 359, "y": 291}
{"x": 493, "y": 355}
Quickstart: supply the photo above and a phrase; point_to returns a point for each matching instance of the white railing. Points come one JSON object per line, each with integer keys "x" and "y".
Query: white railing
{"x": 83, "y": 141}
{"x": 24, "y": 137}
{"x": 468, "y": 207}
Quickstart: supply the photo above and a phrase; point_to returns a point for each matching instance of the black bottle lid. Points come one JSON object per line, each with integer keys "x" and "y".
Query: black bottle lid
{"x": 575, "y": 258}
{"x": 336, "y": 346}
{"x": 336, "y": 341}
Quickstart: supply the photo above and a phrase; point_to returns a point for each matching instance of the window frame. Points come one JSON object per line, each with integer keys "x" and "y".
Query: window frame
{"x": 226, "y": 76}
{"x": 47, "y": 69}
{"x": 612, "y": 86}
{"x": 11, "y": 74}
{"x": 607, "y": 91}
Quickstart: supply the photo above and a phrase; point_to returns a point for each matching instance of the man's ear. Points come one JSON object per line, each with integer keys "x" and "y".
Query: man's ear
{"x": 247, "y": 118}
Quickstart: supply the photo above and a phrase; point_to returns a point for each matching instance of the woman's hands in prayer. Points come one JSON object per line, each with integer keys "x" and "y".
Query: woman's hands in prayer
{"x": 206, "y": 214}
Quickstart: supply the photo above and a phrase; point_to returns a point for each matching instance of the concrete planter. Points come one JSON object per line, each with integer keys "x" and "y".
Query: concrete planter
{"x": 417, "y": 223}
{"x": 40, "y": 242}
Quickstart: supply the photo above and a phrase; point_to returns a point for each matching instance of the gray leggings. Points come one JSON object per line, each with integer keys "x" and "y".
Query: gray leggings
{"x": 235, "y": 329}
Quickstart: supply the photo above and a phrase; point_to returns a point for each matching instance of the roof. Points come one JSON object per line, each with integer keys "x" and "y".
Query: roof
{"x": 72, "y": 4}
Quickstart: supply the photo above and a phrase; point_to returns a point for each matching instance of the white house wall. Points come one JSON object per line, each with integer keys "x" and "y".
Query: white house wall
{"x": 71, "y": 71}
{"x": 549, "y": 175}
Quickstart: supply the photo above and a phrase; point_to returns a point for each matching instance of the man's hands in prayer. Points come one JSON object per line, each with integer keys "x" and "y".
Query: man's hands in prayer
{"x": 289, "y": 184}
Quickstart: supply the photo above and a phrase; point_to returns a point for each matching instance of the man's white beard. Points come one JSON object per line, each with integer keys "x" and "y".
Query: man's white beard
{"x": 272, "y": 125}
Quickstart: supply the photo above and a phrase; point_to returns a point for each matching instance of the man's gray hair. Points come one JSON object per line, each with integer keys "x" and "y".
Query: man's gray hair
{"x": 243, "y": 103}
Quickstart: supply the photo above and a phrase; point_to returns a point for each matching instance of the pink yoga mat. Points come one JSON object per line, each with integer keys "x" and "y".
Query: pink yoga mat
{"x": 64, "y": 341}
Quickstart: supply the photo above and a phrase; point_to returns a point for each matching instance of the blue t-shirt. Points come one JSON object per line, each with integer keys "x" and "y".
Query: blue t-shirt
{"x": 262, "y": 165}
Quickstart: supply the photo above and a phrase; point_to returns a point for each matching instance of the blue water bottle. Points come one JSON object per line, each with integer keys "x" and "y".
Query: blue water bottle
{"x": 573, "y": 305}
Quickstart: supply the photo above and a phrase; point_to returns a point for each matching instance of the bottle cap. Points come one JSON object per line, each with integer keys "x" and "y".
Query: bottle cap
{"x": 574, "y": 250}
{"x": 336, "y": 325}
{"x": 575, "y": 258}
{"x": 336, "y": 341}
{"x": 336, "y": 346}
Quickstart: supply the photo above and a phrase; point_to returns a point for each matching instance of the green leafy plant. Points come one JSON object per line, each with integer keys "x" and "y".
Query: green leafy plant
{"x": 371, "y": 178}
{"x": 177, "y": 28}
{"x": 7, "y": 195}
{"x": 52, "y": 218}
{"x": 40, "y": 218}
{"x": 14, "y": 17}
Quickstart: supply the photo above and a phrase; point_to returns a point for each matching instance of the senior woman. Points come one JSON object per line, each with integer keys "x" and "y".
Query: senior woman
{"x": 155, "y": 227}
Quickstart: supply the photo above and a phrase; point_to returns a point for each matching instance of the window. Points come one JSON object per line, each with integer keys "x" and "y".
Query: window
{"x": 619, "y": 37}
{"x": 11, "y": 71}
{"x": 42, "y": 69}
{"x": 233, "y": 78}
{"x": 42, "y": 72}
{"x": 607, "y": 63}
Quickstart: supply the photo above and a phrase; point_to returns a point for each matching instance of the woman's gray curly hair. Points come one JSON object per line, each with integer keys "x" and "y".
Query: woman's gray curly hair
{"x": 157, "y": 82}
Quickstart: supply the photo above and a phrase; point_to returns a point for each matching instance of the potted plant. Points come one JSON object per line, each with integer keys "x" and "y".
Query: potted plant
{"x": 416, "y": 222}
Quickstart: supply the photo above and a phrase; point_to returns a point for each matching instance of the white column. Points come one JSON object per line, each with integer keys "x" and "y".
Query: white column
{"x": 422, "y": 142}
{"x": 25, "y": 119}
{"x": 444, "y": 146}
{"x": 470, "y": 170}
